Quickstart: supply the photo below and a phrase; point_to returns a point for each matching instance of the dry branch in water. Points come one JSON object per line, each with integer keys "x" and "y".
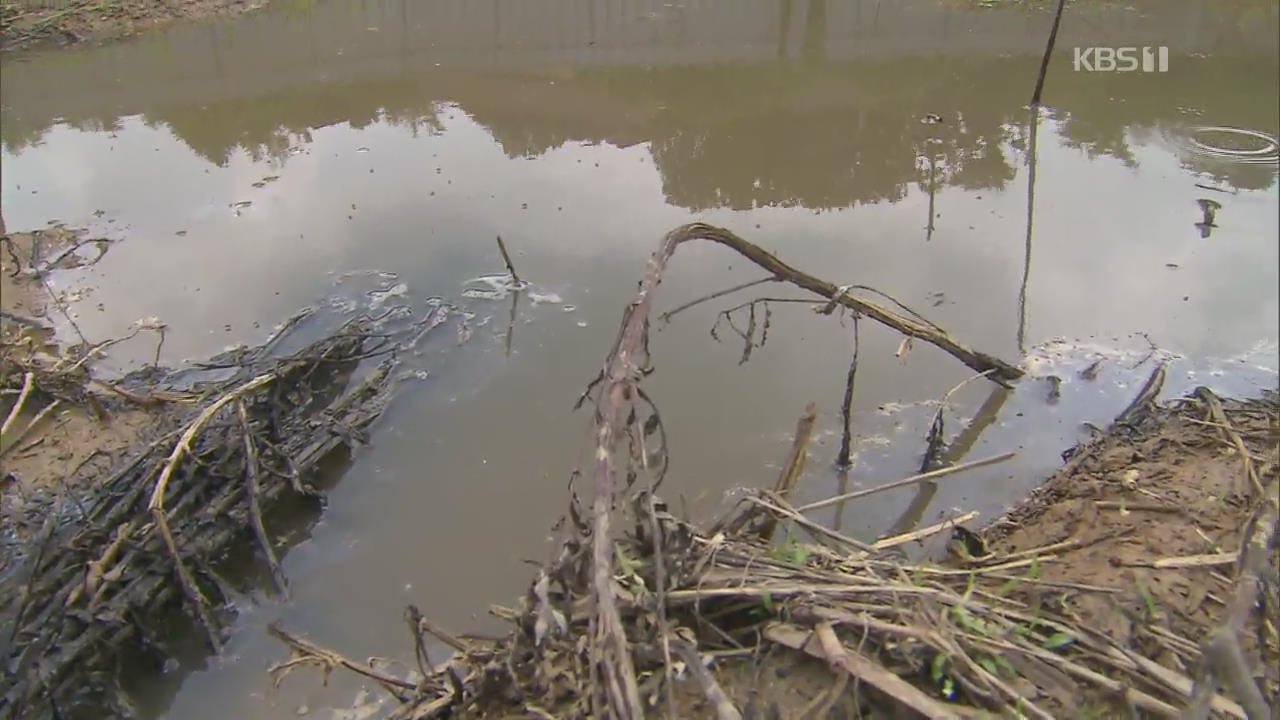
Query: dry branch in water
{"x": 615, "y": 693}
{"x": 977, "y": 635}
{"x": 632, "y": 584}
{"x": 910, "y": 326}
{"x": 307, "y": 653}
{"x": 614, "y": 690}
{"x": 794, "y": 465}
{"x": 502, "y": 248}
{"x": 914, "y": 479}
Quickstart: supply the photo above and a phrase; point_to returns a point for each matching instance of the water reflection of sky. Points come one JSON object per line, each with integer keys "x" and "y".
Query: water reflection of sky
{"x": 1109, "y": 228}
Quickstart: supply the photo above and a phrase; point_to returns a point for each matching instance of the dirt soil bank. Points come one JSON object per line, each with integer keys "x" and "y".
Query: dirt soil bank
{"x": 1158, "y": 513}
{"x": 67, "y": 426}
{"x": 33, "y": 24}
{"x": 1139, "y": 538}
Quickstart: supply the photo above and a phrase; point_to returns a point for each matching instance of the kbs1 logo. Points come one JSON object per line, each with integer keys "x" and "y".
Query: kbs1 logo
{"x": 1120, "y": 59}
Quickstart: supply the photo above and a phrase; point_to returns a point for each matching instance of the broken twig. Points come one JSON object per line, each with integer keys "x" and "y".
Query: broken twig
{"x": 932, "y": 475}
{"x": 502, "y": 248}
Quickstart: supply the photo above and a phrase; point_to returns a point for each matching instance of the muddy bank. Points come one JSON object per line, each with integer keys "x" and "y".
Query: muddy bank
{"x": 62, "y": 425}
{"x": 36, "y": 24}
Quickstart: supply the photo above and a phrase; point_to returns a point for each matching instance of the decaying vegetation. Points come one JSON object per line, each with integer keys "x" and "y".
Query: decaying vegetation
{"x": 130, "y": 535}
{"x": 639, "y": 605}
{"x": 1140, "y": 579}
{"x": 149, "y": 533}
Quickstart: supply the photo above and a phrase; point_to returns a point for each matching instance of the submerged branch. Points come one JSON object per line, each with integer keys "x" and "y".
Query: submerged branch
{"x": 844, "y": 457}
{"x": 910, "y": 326}
{"x": 931, "y": 475}
{"x": 506, "y": 258}
{"x": 666, "y": 316}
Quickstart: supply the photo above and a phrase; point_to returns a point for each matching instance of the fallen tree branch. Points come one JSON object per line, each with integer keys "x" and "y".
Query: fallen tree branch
{"x": 912, "y": 327}
{"x": 305, "y": 652}
{"x": 1225, "y": 427}
{"x": 615, "y": 692}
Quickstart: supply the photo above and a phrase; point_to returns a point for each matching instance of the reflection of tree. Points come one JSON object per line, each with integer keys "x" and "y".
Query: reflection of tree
{"x": 831, "y": 135}
{"x": 814, "y": 133}
{"x": 19, "y": 136}
{"x": 529, "y": 116}
{"x": 268, "y": 127}
{"x": 787, "y": 160}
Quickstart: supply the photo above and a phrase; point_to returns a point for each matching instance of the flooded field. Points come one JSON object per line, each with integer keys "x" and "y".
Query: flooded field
{"x": 365, "y": 155}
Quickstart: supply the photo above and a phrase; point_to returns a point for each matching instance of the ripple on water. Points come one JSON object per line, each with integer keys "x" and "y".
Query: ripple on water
{"x": 489, "y": 287}
{"x": 1233, "y": 144}
{"x": 550, "y": 298}
{"x": 379, "y": 297}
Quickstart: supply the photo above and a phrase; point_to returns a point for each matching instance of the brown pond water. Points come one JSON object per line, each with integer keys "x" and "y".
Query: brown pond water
{"x": 391, "y": 141}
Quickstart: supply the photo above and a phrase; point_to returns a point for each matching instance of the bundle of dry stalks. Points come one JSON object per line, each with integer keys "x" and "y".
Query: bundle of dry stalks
{"x": 144, "y": 538}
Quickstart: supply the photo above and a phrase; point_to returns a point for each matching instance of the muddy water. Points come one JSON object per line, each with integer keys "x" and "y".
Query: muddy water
{"x": 355, "y": 154}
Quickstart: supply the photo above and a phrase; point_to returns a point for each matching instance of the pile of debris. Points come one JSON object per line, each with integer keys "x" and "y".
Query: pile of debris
{"x": 141, "y": 540}
{"x": 643, "y": 613}
{"x": 744, "y": 619}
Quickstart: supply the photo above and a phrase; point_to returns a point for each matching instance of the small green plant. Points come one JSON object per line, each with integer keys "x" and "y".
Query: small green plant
{"x": 766, "y": 605}
{"x": 1153, "y": 610}
{"x": 938, "y": 673}
{"x": 1006, "y": 667}
{"x": 966, "y": 620}
{"x": 988, "y": 663}
{"x": 790, "y": 550}
{"x": 1058, "y": 640}
{"x": 1033, "y": 571}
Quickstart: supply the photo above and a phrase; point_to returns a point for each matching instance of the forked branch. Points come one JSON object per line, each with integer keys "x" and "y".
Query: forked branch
{"x": 614, "y": 689}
